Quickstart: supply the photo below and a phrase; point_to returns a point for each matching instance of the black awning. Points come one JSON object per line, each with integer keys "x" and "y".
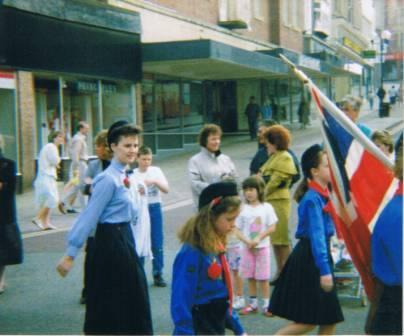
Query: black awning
{"x": 37, "y": 42}
{"x": 207, "y": 59}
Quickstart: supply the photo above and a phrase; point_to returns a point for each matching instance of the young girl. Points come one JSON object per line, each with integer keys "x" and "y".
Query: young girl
{"x": 201, "y": 295}
{"x": 256, "y": 221}
{"x": 305, "y": 293}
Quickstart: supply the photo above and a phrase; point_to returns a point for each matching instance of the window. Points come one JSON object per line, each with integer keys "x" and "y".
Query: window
{"x": 8, "y": 123}
{"x": 258, "y": 9}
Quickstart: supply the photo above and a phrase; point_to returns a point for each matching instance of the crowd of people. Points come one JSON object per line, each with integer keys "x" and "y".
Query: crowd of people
{"x": 229, "y": 239}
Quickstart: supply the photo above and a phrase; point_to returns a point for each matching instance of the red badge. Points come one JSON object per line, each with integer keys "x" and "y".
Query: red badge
{"x": 126, "y": 182}
{"x": 214, "y": 270}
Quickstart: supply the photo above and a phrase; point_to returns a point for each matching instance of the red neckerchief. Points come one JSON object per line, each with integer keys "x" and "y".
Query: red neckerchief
{"x": 317, "y": 187}
{"x": 323, "y": 192}
{"x": 399, "y": 191}
{"x": 227, "y": 279}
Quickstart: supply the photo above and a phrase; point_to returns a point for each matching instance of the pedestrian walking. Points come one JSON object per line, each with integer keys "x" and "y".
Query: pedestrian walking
{"x": 351, "y": 106}
{"x": 381, "y": 93}
{"x": 46, "y": 192}
{"x": 252, "y": 111}
{"x": 371, "y": 96}
{"x": 11, "y": 252}
{"x": 304, "y": 108}
{"x": 305, "y": 292}
{"x": 386, "y": 310}
{"x": 209, "y": 165}
{"x": 94, "y": 168}
{"x": 156, "y": 183}
{"x": 392, "y": 95}
{"x": 201, "y": 295}
{"x": 278, "y": 173}
{"x": 117, "y": 297}
{"x": 79, "y": 157}
{"x": 253, "y": 226}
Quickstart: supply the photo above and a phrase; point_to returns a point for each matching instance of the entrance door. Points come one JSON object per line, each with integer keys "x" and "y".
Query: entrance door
{"x": 221, "y": 104}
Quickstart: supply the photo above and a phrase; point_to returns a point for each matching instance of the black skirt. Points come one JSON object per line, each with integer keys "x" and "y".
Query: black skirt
{"x": 298, "y": 295}
{"x": 117, "y": 293}
{"x": 210, "y": 318}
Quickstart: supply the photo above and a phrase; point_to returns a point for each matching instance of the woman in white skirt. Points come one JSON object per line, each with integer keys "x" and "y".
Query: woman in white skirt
{"x": 46, "y": 192}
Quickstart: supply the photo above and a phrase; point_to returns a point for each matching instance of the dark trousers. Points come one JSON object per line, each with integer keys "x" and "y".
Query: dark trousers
{"x": 252, "y": 127}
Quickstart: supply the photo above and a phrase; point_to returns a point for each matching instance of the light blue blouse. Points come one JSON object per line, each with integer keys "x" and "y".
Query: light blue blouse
{"x": 110, "y": 203}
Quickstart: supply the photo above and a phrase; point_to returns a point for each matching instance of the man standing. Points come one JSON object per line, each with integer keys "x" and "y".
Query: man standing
{"x": 252, "y": 111}
{"x": 79, "y": 157}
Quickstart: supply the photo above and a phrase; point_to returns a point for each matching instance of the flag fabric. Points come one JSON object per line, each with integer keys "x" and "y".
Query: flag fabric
{"x": 361, "y": 183}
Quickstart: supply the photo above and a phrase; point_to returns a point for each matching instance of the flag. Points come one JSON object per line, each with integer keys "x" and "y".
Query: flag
{"x": 361, "y": 179}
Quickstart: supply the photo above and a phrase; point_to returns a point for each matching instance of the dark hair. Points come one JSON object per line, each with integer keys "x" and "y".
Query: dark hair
{"x": 278, "y": 136}
{"x": 311, "y": 158}
{"x": 122, "y": 131}
{"x": 207, "y": 130}
{"x": 144, "y": 150}
{"x": 54, "y": 134}
{"x": 257, "y": 183}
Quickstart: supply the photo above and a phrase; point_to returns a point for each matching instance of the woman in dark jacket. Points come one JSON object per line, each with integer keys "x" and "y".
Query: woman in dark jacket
{"x": 10, "y": 237}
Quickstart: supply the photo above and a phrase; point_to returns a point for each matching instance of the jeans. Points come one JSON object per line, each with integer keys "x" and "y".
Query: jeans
{"x": 156, "y": 222}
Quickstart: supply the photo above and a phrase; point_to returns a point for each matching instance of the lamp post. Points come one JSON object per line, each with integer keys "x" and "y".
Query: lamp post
{"x": 385, "y": 37}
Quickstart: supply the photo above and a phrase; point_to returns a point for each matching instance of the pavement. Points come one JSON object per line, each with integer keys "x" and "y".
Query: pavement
{"x": 37, "y": 301}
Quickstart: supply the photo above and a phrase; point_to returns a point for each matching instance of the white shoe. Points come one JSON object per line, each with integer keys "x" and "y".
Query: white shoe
{"x": 50, "y": 227}
{"x": 238, "y": 303}
{"x": 38, "y": 223}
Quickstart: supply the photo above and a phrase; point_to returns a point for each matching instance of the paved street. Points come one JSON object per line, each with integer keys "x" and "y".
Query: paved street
{"x": 38, "y": 301}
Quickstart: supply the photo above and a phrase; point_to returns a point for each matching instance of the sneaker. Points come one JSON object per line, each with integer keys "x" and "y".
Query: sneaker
{"x": 38, "y": 223}
{"x": 61, "y": 207}
{"x": 248, "y": 310}
{"x": 239, "y": 302}
{"x": 159, "y": 281}
{"x": 72, "y": 211}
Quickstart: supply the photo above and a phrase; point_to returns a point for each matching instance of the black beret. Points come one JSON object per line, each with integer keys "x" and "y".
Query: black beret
{"x": 214, "y": 190}
{"x": 309, "y": 158}
{"x": 113, "y": 127}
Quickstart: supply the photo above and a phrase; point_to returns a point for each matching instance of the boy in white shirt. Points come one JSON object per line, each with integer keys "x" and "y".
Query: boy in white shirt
{"x": 156, "y": 182}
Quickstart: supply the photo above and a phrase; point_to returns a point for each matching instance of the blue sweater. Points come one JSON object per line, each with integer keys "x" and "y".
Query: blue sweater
{"x": 387, "y": 243}
{"x": 316, "y": 225}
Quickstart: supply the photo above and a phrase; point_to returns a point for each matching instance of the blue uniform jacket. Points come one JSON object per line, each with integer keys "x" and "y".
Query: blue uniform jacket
{"x": 316, "y": 225}
{"x": 387, "y": 244}
{"x": 191, "y": 286}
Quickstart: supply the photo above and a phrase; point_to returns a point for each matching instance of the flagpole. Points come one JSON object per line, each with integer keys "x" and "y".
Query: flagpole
{"x": 341, "y": 117}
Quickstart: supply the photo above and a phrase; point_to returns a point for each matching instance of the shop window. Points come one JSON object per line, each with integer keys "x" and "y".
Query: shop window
{"x": 147, "y": 106}
{"x": 168, "y": 105}
{"x": 47, "y": 108}
{"x": 7, "y": 123}
{"x": 117, "y": 103}
{"x": 192, "y": 106}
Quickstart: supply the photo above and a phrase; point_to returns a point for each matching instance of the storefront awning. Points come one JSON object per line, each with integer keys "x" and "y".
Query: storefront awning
{"x": 209, "y": 60}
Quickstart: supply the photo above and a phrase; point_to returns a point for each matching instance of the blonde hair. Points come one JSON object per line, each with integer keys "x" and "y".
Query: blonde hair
{"x": 354, "y": 102}
{"x": 200, "y": 232}
{"x": 385, "y": 138}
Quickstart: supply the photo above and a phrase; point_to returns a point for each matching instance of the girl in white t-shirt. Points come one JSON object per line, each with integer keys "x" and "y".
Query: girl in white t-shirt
{"x": 254, "y": 224}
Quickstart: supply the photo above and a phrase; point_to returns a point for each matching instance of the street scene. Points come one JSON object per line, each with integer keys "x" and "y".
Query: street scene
{"x": 209, "y": 93}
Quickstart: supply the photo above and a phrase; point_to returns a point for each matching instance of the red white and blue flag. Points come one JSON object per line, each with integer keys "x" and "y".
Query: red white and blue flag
{"x": 362, "y": 182}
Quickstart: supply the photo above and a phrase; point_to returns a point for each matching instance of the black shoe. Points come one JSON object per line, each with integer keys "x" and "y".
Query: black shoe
{"x": 71, "y": 211}
{"x": 159, "y": 281}
{"x": 83, "y": 300}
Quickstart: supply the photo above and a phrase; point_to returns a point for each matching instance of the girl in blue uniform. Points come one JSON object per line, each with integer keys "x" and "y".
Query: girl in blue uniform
{"x": 117, "y": 295}
{"x": 306, "y": 293}
{"x": 201, "y": 297}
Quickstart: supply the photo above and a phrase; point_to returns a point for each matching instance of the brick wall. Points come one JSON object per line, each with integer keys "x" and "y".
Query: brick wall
{"x": 27, "y": 122}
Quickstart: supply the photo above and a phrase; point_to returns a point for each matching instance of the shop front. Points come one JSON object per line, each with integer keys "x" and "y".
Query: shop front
{"x": 72, "y": 61}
